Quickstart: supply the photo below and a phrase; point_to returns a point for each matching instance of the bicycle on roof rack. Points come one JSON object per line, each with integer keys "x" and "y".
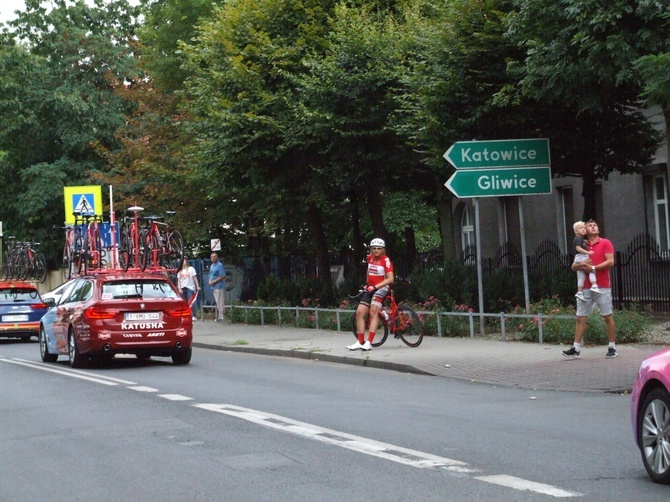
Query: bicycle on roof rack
{"x": 132, "y": 252}
{"x": 399, "y": 319}
{"x": 164, "y": 246}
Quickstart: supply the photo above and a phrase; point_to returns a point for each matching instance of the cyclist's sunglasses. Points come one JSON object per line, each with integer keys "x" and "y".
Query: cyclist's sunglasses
{"x": 376, "y": 247}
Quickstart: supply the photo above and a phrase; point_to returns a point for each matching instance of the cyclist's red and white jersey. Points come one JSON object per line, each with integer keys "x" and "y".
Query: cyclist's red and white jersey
{"x": 378, "y": 268}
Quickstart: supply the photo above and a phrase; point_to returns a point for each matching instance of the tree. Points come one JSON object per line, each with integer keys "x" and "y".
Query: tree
{"x": 579, "y": 60}
{"x": 241, "y": 96}
{"x": 452, "y": 81}
{"x": 56, "y": 99}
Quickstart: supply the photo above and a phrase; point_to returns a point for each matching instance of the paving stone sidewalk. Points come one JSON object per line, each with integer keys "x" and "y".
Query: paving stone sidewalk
{"x": 510, "y": 364}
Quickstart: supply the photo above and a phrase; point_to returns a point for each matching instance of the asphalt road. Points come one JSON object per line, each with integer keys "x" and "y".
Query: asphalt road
{"x": 254, "y": 428}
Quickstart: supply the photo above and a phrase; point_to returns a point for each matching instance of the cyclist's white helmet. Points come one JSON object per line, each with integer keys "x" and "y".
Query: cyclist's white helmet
{"x": 377, "y": 243}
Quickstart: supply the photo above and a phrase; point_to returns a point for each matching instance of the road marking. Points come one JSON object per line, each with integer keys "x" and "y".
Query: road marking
{"x": 386, "y": 451}
{"x": 59, "y": 372}
{"x": 525, "y": 485}
{"x": 79, "y": 372}
{"x": 368, "y": 446}
{"x": 175, "y": 397}
{"x": 141, "y": 388}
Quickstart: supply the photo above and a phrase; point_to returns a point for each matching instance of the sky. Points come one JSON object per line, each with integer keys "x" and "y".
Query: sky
{"x": 7, "y": 8}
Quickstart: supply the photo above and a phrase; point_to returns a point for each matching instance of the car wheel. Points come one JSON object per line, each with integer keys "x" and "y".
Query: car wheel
{"x": 25, "y": 338}
{"x": 182, "y": 357}
{"x": 47, "y": 357}
{"x": 653, "y": 434}
{"x": 76, "y": 359}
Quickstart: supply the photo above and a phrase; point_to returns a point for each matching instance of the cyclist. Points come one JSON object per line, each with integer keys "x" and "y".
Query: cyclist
{"x": 380, "y": 277}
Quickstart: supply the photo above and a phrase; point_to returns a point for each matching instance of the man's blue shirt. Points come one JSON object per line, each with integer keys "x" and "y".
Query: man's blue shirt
{"x": 216, "y": 271}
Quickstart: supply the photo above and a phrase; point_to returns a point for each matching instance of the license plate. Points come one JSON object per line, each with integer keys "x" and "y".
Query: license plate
{"x": 143, "y": 316}
{"x": 15, "y": 318}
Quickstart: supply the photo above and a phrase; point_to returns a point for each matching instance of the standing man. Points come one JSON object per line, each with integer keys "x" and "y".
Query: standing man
{"x": 217, "y": 274}
{"x": 600, "y": 263}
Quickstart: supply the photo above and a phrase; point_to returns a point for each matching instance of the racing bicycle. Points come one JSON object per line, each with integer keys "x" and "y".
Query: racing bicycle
{"x": 400, "y": 320}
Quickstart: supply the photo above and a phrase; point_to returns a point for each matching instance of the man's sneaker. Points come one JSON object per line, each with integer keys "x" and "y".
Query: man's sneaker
{"x": 355, "y": 346}
{"x": 571, "y": 352}
{"x": 194, "y": 318}
{"x": 367, "y": 345}
{"x": 580, "y": 295}
{"x": 595, "y": 289}
{"x": 611, "y": 352}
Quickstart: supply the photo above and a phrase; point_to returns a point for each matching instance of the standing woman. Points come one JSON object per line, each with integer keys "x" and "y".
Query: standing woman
{"x": 188, "y": 283}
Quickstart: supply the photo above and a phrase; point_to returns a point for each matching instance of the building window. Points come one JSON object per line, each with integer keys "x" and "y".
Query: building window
{"x": 661, "y": 211}
{"x": 467, "y": 231}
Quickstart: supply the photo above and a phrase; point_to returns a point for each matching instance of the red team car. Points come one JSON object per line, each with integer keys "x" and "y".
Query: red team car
{"x": 116, "y": 312}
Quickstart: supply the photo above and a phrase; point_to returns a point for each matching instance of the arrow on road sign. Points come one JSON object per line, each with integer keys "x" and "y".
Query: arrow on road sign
{"x": 499, "y": 153}
{"x": 500, "y": 182}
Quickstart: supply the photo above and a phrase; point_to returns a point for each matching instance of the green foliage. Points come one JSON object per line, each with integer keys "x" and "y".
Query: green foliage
{"x": 631, "y": 325}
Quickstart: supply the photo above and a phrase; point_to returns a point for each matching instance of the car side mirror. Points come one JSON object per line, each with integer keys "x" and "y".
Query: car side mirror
{"x": 49, "y": 302}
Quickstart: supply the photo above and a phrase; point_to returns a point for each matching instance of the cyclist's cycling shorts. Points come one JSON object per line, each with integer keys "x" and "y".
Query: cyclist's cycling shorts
{"x": 378, "y": 299}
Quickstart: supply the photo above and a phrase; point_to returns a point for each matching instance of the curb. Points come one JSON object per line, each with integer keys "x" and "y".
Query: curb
{"x": 317, "y": 356}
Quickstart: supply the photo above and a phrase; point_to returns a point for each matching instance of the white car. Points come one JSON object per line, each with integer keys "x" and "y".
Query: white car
{"x": 55, "y": 294}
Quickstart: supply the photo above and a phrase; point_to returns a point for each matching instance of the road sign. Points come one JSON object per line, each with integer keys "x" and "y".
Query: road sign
{"x": 82, "y": 199}
{"x": 499, "y": 153}
{"x": 500, "y": 182}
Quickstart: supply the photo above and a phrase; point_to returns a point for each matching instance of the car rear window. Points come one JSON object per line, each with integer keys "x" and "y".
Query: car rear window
{"x": 137, "y": 289}
{"x": 18, "y": 294}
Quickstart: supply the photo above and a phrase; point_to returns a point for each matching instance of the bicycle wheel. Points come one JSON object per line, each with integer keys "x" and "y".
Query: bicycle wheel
{"x": 408, "y": 326}
{"x": 125, "y": 249}
{"x": 96, "y": 248}
{"x": 66, "y": 266}
{"x": 174, "y": 251}
{"x": 6, "y": 267}
{"x": 145, "y": 250}
{"x": 40, "y": 268}
{"x": 78, "y": 255}
{"x": 380, "y": 336}
{"x": 24, "y": 267}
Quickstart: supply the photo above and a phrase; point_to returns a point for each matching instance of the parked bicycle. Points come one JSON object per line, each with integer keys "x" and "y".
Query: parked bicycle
{"x": 401, "y": 320}
{"x": 23, "y": 261}
{"x": 164, "y": 246}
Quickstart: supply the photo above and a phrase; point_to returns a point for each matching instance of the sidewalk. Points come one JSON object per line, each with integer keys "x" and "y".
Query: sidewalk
{"x": 509, "y": 364}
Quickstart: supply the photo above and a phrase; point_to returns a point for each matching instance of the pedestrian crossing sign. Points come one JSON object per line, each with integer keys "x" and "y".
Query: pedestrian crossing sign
{"x": 84, "y": 200}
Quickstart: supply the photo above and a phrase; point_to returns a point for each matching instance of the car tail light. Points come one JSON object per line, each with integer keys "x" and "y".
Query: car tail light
{"x": 98, "y": 313}
{"x": 184, "y": 311}
{"x": 38, "y": 305}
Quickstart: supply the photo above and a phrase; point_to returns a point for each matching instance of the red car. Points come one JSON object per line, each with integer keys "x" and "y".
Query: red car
{"x": 21, "y": 309}
{"x": 650, "y": 414}
{"x": 104, "y": 314}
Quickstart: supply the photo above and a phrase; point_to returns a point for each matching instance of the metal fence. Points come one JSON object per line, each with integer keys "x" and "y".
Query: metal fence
{"x": 340, "y": 319}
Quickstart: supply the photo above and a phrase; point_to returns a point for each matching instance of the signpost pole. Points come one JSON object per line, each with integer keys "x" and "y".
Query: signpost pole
{"x": 523, "y": 256}
{"x": 480, "y": 282}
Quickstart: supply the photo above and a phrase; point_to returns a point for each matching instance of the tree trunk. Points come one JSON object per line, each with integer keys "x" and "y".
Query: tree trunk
{"x": 443, "y": 198}
{"x": 359, "y": 251}
{"x": 589, "y": 194}
{"x": 410, "y": 252}
{"x": 376, "y": 214}
{"x": 321, "y": 251}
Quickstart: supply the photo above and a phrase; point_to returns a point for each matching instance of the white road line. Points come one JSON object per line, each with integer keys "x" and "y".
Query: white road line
{"x": 525, "y": 485}
{"x": 72, "y": 370}
{"x": 386, "y": 451}
{"x": 368, "y": 446}
{"x": 175, "y": 397}
{"x": 60, "y": 372}
{"x": 141, "y": 388}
